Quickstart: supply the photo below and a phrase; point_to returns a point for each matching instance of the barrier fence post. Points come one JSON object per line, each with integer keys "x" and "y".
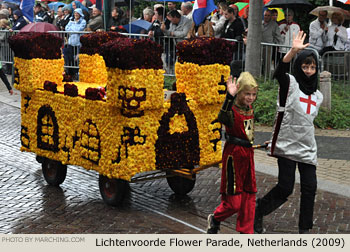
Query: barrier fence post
{"x": 326, "y": 89}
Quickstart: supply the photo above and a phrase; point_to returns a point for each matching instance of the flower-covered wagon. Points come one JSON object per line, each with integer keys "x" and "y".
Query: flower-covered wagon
{"x": 115, "y": 120}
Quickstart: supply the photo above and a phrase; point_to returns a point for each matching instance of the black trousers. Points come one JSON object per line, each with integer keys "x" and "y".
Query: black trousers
{"x": 286, "y": 179}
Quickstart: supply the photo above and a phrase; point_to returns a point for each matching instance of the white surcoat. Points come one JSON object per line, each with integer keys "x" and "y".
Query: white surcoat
{"x": 295, "y": 138}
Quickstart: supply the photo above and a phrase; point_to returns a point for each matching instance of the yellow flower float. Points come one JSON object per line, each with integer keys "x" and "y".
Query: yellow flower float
{"x": 115, "y": 121}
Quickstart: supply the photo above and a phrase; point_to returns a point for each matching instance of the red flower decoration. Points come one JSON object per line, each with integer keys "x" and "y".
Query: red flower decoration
{"x": 30, "y": 45}
{"x": 205, "y": 51}
{"x": 127, "y": 53}
{"x": 50, "y": 86}
{"x": 94, "y": 94}
{"x": 70, "y": 90}
{"x": 91, "y": 42}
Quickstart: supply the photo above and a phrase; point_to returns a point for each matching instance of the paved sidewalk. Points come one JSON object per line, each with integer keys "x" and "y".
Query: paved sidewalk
{"x": 333, "y": 157}
{"x": 30, "y": 206}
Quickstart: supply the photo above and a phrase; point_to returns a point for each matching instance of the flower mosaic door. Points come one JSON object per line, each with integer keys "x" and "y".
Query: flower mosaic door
{"x": 177, "y": 148}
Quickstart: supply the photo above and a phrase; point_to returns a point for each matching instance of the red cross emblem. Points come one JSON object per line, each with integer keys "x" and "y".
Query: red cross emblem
{"x": 309, "y": 103}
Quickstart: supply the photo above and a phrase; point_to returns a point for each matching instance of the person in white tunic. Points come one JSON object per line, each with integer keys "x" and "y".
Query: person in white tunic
{"x": 288, "y": 28}
{"x": 336, "y": 34}
{"x": 293, "y": 138}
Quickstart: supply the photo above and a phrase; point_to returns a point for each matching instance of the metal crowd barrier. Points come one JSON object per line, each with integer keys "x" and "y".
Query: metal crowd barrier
{"x": 338, "y": 63}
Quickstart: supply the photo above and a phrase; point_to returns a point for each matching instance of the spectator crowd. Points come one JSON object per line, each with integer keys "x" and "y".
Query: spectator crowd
{"x": 326, "y": 32}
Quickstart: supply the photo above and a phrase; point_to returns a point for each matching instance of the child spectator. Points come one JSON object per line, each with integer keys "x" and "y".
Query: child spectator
{"x": 238, "y": 184}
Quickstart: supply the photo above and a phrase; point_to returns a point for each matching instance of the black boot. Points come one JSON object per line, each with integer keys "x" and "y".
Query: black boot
{"x": 213, "y": 225}
{"x": 258, "y": 220}
{"x": 304, "y": 231}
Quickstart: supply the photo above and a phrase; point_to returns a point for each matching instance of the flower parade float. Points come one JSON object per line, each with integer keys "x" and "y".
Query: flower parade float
{"x": 115, "y": 120}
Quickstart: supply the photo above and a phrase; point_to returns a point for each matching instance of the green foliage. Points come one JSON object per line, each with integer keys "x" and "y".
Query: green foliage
{"x": 168, "y": 82}
{"x": 338, "y": 118}
{"x": 265, "y": 105}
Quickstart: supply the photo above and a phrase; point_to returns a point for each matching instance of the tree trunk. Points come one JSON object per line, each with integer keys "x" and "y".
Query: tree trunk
{"x": 253, "y": 58}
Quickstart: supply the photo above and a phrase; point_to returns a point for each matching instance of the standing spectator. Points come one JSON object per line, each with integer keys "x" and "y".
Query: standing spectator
{"x": 59, "y": 19}
{"x": 4, "y": 25}
{"x": 155, "y": 31}
{"x": 117, "y": 20}
{"x": 204, "y": 29}
{"x": 288, "y": 28}
{"x": 148, "y": 14}
{"x": 4, "y": 45}
{"x": 336, "y": 35}
{"x": 154, "y": 10}
{"x": 128, "y": 13}
{"x": 171, "y": 6}
{"x": 96, "y": 21}
{"x": 187, "y": 8}
{"x": 274, "y": 15}
{"x": 238, "y": 183}
{"x": 67, "y": 11}
{"x": 5, "y": 80}
{"x": 347, "y": 46}
{"x": 270, "y": 31}
{"x": 85, "y": 10}
{"x": 245, "y": 19}
{"x": 72, "y": 50}
{"x": 40, "y": 15}
{"x": 4, "y": 14}
{"x": 233, "y": 27}
{"x": 218, "y": 21}
{"x": 318, "y": 31}
{"x": 270, "y": 34}
{"x": 179, "y": 25}
{"x": 293, "y": 140}
{"x": 20, "y": 22}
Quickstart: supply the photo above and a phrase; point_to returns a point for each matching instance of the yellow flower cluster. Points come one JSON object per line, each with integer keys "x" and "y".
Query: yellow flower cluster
{"x": 209, "y": 132}
{"x": 94, "y": 138}
{"x": 128, "y": 84}
{"x": 202, "y": 83}
{"x": 178, "y": 124}
{"x": 92, "y": 69}
{"x": 33, "y": 73}
{"x": 95, "y": 135}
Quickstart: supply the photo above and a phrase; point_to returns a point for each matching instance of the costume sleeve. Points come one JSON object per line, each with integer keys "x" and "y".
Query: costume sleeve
{"x": 226, "y": 116}
{"x": 283, "y": 79}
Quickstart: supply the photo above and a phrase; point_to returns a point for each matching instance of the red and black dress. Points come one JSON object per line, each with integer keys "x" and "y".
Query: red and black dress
{"x": 238, "y": 183}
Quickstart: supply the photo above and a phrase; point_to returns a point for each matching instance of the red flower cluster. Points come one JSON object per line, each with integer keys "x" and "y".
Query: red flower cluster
{"x": 127, "y": 53}
{"x": 95, "y": 94}
{"x": 205, "y": 51}
{"x": 50, "y": 86}
{"x": 91, "y": 42}
{"x": 30, "y": 45}
{"x": 70, "y": 90}
{"x": 173, "y": 150}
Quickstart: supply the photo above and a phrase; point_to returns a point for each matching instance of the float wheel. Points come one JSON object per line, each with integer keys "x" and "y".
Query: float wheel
{"x": 54, "y": 171}
{"x": 181, "y": 185}
{"x": 113, "y": 191}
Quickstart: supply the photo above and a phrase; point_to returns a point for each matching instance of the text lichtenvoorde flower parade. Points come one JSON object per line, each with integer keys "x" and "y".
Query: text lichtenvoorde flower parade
{"x": 115, "y": 120}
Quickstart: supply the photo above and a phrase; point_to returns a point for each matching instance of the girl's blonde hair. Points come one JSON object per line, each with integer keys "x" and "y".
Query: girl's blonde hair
{"x": 246, "y": 81}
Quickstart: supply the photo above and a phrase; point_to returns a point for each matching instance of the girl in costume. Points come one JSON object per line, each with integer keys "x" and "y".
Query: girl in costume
{"x": 293, "y": 139}
{"x": 238, "y": 184}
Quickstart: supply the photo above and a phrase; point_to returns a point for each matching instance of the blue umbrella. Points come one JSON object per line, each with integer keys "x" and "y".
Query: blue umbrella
{"x": 138, "y": 25}
{"x": 54, "y": 5}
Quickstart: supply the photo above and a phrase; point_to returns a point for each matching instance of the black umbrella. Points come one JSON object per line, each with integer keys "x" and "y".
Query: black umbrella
{"x": 288, "y": 3}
